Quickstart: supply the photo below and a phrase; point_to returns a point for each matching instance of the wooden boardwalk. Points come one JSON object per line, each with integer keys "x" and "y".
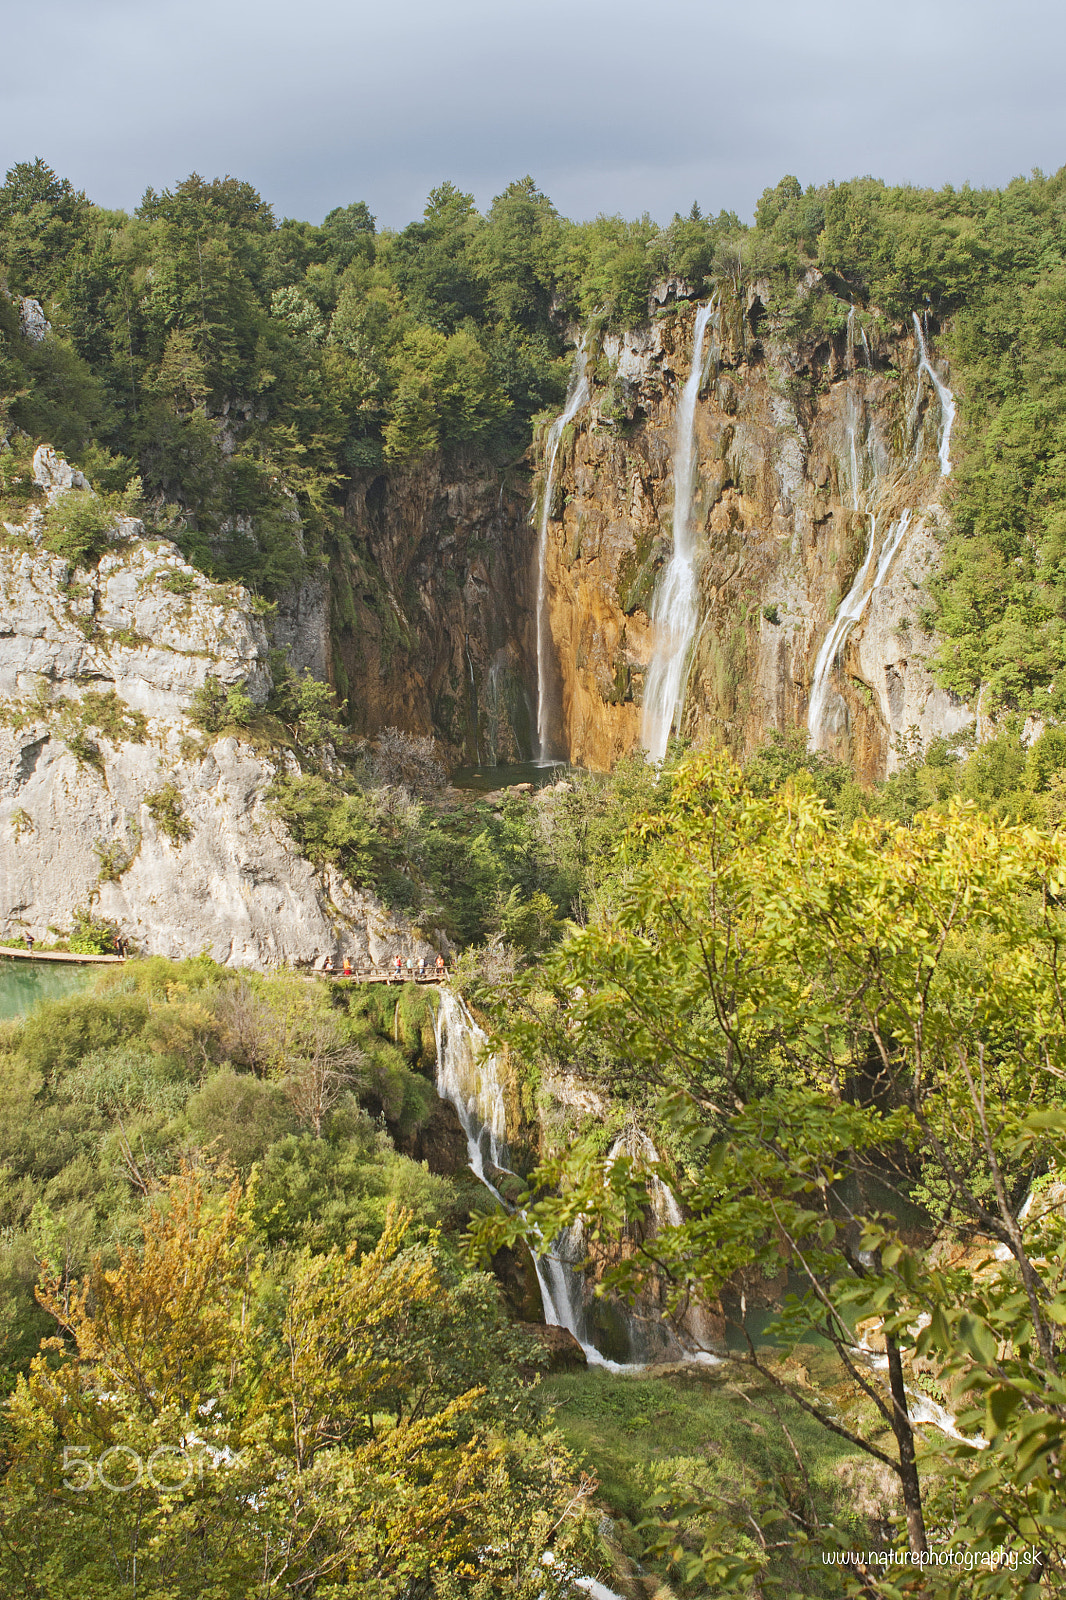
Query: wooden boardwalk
{"x": 56, "y": 955}
{"x": 359, "y": 975}
{"x": 379, "y": 975}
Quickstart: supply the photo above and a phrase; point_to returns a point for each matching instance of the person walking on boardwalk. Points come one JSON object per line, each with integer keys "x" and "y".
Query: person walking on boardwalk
{"x": 399, "y": 967}
{"x": 347, "y": 967}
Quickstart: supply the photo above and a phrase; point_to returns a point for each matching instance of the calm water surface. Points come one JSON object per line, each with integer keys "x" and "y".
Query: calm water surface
{"x": 486, "y": 779}
{"x": 24, "y": 984}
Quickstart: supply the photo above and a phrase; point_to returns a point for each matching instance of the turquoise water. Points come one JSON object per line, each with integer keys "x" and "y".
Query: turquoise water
{"x": 24, "y": 984}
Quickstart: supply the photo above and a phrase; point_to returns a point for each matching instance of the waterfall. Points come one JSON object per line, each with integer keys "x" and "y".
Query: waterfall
{"x": 576, "y": 397}
{"x": 468, "y": 1078}
{"x": 675, "y": 608}
{"x": 943, "y": 394}
{"x": 666, "y": 1213}
{"x": 858, "y": 597}
{"x": 850, "y": 612}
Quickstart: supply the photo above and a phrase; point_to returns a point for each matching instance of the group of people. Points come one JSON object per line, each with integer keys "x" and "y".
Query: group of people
{"x": 399, "y": 969}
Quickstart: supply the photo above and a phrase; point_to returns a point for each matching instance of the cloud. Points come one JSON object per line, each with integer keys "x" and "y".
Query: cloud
{"x": 609, "y": 106}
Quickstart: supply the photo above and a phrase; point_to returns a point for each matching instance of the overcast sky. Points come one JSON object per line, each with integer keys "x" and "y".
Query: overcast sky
{"x": 611, "y": 105}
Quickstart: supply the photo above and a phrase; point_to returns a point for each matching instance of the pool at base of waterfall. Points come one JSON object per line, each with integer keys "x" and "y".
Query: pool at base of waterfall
{"x": 485, "y": 780}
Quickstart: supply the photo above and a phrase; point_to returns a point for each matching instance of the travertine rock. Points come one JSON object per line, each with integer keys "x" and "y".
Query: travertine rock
{"x": 143, "y": 623}
{"x": 788, "y": 476}
{"x": 32, "y": 320}
{"x": 75, "y": 823}
{"x": 54, "y": 475}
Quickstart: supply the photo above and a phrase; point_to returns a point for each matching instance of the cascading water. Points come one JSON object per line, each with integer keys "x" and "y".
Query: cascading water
{"x": 851, "y": 611}
{"x": 577, "y": 396}
{"x": 666, "y": 1213}
{"x": 468, "y": 1078}
{"x": 854, "y": 604}
{"x": 943, "y": 394}
{"x": 675, "y": 610}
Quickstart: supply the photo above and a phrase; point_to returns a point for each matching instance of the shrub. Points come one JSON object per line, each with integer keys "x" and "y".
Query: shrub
{"x": 91, "y": 936}
{"x": 215, "y": 707}
{"x": 117, "y": 856}
{"x": 167, "y": 812}
{"x": 78, "y": 527}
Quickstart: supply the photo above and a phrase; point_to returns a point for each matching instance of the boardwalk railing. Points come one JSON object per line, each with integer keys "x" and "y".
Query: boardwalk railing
{"x": 368, "y": 973}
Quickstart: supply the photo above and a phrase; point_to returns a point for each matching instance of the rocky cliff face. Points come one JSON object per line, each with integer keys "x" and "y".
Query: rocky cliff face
{"x": 110, "y": 797}
{"x": 806, "y": 460}
{"x": 432, "y": 614}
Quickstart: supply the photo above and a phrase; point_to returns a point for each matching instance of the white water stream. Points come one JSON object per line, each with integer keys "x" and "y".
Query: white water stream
{"x": 675, "y": 609}
{"x": 943, "y": 394}
{"x": 577, "y": 396}
{"x": 468, "y": 1077}
{"x": 850, "y": 612}
{"x": 853, "y": 607}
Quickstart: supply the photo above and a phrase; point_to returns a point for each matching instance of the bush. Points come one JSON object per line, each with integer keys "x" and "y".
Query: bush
{"x": 78, "y": 527}
{"x": 240, "y": 1117}
{"x": 215, "y": 707}
{"x": 91, "y": 936}
{"x": 167, "y": 812}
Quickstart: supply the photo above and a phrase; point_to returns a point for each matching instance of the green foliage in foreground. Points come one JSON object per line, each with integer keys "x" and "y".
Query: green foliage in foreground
{"x": 824, "y": 1010}
{"x": 105, "y": 1093}
{"x": 209, "y": 1421}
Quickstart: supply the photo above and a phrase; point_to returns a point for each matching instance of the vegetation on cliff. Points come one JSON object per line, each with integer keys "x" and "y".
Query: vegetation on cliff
{"x": 238, "y": 372}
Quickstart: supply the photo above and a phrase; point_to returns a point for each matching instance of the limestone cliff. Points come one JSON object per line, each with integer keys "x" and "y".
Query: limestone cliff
{"x": 432, "y": 614}
{"x": 110, "y": 797}
{"x": 807, "y": 458}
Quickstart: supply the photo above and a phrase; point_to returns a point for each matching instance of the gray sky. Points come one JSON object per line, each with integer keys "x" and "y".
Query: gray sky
{"x": 611, "y": 105}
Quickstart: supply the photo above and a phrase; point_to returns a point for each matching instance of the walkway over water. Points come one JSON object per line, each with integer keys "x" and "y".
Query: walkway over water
{"x": 54, "y": 955}
{"x": 382, "y": 975}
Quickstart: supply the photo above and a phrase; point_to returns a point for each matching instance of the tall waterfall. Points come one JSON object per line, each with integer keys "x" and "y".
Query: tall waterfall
{"x": 577, "y": 395}
{"x": 855, "y": 602}
{"x": 675, "y": 609}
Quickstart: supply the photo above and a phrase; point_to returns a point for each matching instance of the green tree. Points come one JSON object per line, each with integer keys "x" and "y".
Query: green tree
{"x": 833, "y": 1015}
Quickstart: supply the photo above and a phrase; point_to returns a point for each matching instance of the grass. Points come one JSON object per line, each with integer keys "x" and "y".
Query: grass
{"x": 723, "y": 1440}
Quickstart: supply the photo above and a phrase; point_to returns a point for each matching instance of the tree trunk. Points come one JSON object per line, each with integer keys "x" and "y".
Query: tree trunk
{"x": 908, "y": 1469}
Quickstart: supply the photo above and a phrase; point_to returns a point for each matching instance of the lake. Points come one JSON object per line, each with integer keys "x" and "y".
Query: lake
{"x": 24, "y": 984}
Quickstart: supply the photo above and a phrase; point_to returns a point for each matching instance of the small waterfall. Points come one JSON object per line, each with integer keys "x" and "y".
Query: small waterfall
{"x": 577, "y": 395}
{"x": 666, "y": 1213}
{"x": 944, "y": 395}
{"x": 675, "y": 608}
{"x": 468, "y": 1078}
{"x": 850, "y": 612}
{"x": 851, "y": 344}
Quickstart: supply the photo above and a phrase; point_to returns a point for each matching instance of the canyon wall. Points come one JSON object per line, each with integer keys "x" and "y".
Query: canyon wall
{"x": 112, "y": 800}
{"x": 432, "y": 607}
{"x": 806, "y": 458}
